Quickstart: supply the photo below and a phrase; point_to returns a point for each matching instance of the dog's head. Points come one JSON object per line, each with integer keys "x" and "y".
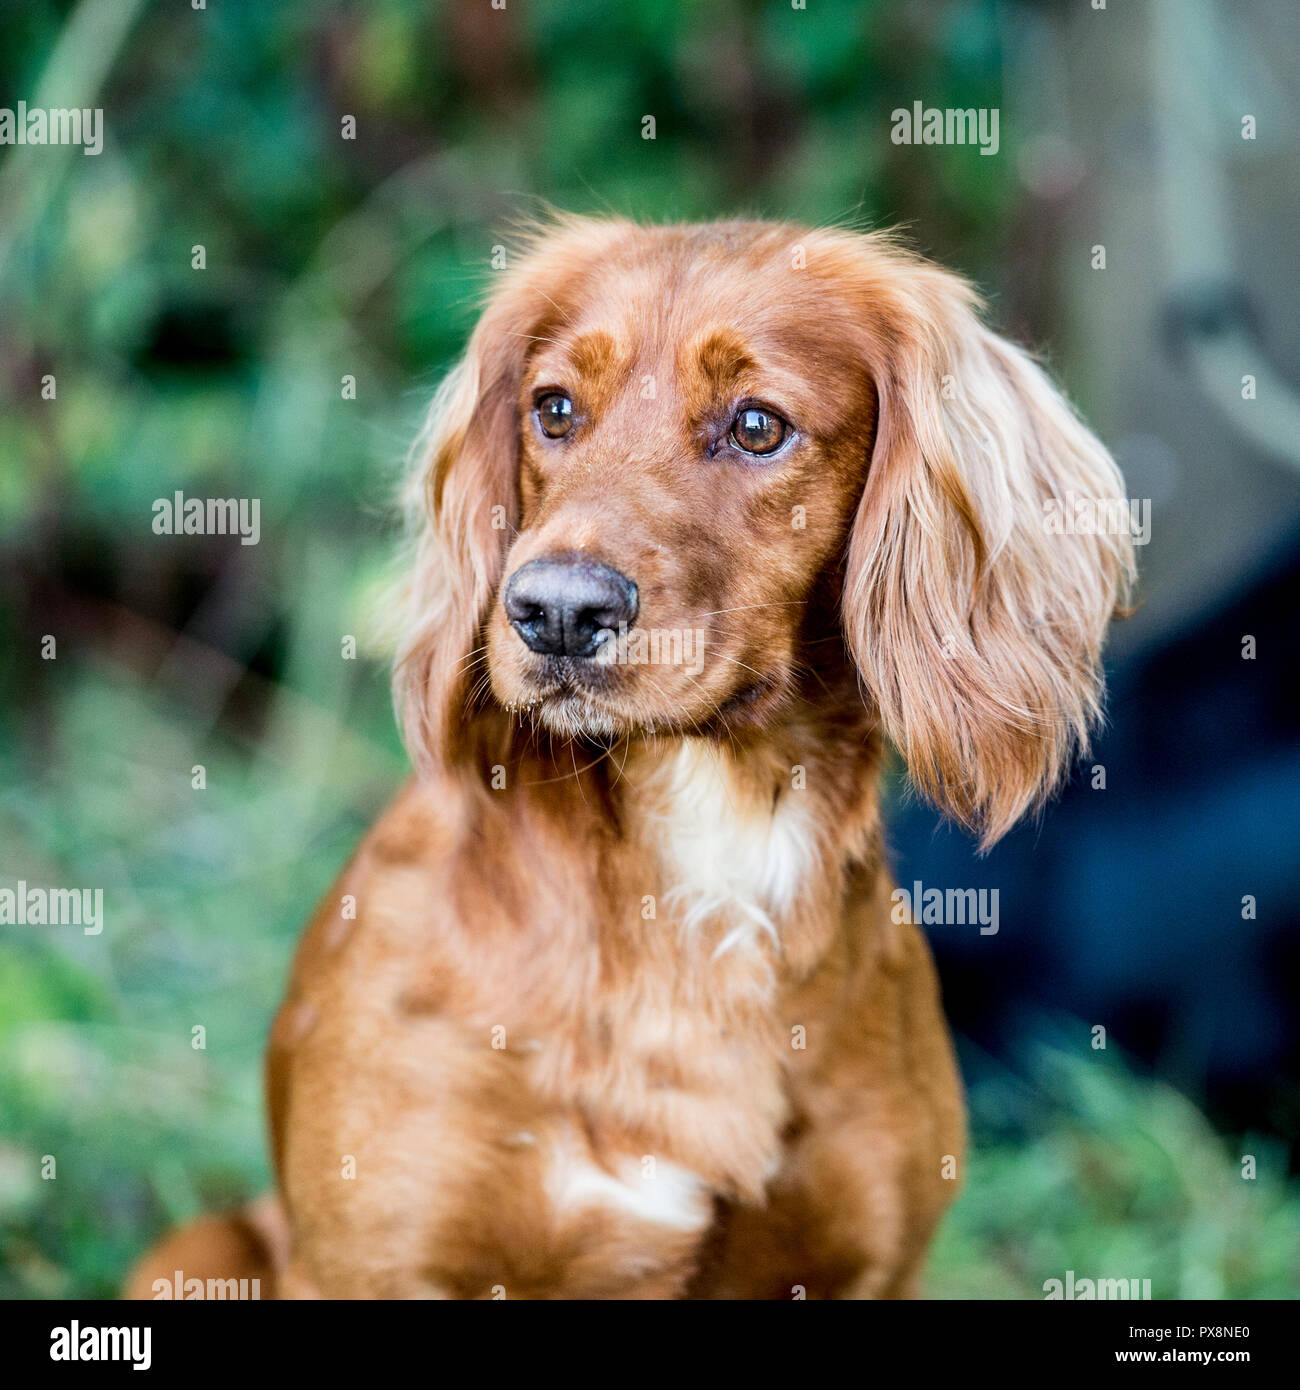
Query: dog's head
{"x": 664, "y": 442}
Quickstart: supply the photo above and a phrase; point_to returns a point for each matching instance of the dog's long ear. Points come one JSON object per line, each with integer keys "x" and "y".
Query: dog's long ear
{"x": 976, "y": 624}
{"x": 462, "y": 503}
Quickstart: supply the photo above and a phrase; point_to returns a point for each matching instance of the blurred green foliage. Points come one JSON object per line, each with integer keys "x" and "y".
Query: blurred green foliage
{"x": 328, "y": 257}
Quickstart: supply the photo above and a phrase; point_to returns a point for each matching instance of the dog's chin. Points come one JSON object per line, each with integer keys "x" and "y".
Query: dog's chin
{"x": 556, "y": 698}
{"x": 579, "y": 705}
{"x": 576, "y": 716}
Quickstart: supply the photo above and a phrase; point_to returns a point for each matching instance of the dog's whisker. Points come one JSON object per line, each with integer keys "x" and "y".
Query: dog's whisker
{"x": 748, "y": 607}
{"x": 722, "y": 656}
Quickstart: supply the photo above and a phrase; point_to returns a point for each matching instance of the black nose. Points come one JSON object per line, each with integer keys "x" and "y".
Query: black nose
{"x": 559, "y": 606}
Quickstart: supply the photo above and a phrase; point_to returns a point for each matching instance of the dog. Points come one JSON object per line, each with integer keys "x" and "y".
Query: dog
{"x": 615, "y": 1000}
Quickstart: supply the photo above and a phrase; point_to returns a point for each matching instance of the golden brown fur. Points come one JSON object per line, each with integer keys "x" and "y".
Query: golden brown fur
{"x": 623, "y": 1010}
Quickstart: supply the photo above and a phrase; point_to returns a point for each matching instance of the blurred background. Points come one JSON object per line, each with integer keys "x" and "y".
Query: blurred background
{"x": 1162, "y": 132}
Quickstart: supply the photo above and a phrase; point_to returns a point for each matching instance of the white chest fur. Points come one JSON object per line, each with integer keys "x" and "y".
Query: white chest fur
{"x": 734, "y": 849}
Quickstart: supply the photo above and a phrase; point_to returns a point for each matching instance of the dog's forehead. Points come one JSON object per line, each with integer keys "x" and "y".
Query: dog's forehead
{"x": 687, "y": 281}
{"x": 713, "y": 305}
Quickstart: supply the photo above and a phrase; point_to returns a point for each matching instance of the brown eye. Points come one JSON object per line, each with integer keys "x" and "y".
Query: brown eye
{"x": 758, "y": 431}
{"x": 555, "y": 415}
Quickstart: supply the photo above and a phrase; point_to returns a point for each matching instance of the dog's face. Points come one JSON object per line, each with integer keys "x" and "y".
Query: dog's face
{"x": 668, "y": 449}
{"x": 693, "y": 436}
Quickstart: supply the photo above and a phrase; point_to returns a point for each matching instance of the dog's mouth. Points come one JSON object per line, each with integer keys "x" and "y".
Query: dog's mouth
{"x": 568, "y": 700}
{"x": 585, "y": 700}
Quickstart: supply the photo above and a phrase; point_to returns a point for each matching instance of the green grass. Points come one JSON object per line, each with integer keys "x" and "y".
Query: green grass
{"x": 1087, "y": 1167}
{"x": 204, "y": 893}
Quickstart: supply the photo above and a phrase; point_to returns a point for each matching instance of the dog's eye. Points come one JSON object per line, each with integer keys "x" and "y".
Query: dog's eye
{"x": 555, "y": 415}
{"x": 758, "y": 431}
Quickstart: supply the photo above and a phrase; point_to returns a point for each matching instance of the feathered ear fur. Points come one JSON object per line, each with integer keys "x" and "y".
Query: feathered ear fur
{"x": 464, "y": 462}
{"x": 462, "y": 494}
{"x": 976, "y": 626}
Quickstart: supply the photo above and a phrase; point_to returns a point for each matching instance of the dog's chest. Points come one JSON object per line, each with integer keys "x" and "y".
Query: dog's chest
{"x": 682, "y": 1043}
{"x": 732, "y": 855}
